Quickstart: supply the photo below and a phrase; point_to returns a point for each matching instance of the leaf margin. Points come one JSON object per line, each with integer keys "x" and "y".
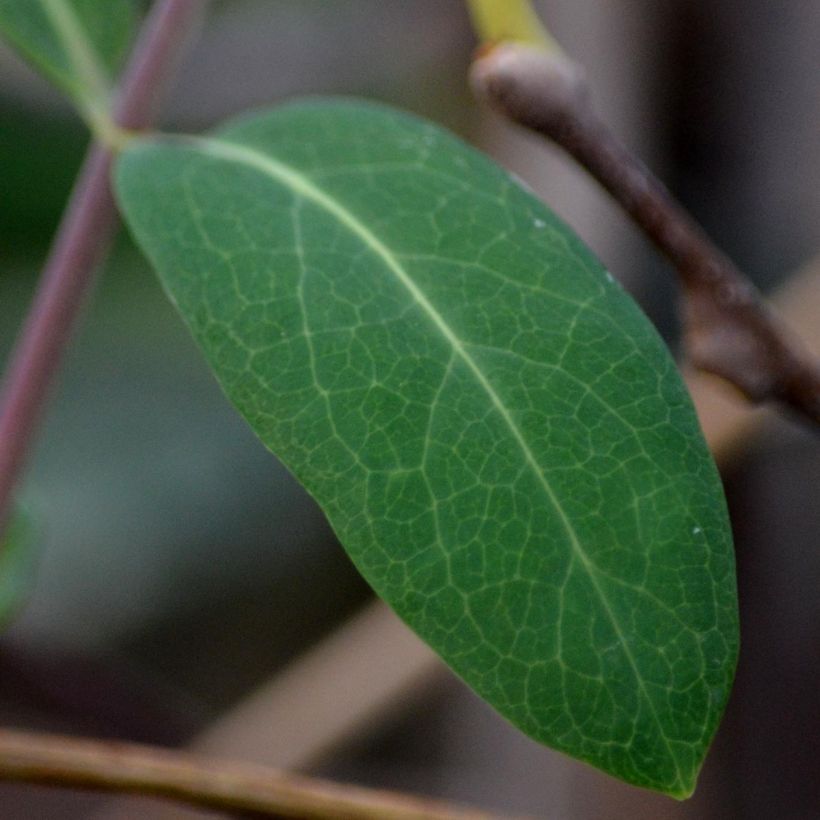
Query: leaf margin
{"x": 684, "y": 790}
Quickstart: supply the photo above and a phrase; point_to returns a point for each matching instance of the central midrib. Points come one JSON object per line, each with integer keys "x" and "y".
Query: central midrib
{"x": 79, "y": 50}
{"x": 296, "y": 181}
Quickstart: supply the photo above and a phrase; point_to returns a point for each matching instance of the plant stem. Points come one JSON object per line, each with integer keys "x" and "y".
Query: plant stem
{"x": 728, "y": 329}
{"x": 217, "y": 785}
{"x": 84, "y": 235}
{"x": 501, "y": 20}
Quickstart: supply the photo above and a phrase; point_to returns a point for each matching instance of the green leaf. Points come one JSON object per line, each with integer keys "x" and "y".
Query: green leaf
{"x": 496, "y": 433}
{"x": 17, "y": 567}
{"x": 77, "y": 44}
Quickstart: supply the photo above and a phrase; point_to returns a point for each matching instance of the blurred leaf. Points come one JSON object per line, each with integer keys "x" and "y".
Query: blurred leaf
{"x": 495, "y": 431}
{"x": 17, "y": 567}
{"x": 77, "y": 44}
{"x": 39, "y": 158}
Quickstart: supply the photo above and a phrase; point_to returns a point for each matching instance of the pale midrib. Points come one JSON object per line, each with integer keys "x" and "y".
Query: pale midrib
{"x": 233, "y": 152}
{"x": 80, "y": 52}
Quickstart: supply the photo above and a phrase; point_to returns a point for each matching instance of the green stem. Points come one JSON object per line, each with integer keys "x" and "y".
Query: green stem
{"x": 497, "y": 21}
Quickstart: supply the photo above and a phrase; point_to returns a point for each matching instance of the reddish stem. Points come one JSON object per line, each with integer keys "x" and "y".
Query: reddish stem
{"x": 85, "y": 233}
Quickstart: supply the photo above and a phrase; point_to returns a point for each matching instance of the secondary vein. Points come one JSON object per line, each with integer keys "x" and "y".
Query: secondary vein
{"x": 303, "y": 186}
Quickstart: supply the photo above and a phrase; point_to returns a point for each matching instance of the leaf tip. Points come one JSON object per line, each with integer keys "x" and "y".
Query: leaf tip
{"x": 683, "y": 793}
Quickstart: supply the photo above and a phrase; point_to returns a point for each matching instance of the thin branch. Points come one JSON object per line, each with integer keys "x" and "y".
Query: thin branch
{"x": 728, "y": 329}
{"x": 80, "y": 245}
{"x": 301, "y": 716}
{"x": 217, "y": 785}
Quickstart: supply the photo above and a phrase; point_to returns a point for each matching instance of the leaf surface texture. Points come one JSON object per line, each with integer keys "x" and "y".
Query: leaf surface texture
{"x": 496, "y": 433}
{"x": 77, "y": 44}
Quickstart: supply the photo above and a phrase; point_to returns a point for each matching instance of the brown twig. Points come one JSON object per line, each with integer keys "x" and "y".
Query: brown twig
{"x": 728, "y": 329}
{"x": 80, "y": 245}
{"x": 217, "y": 785}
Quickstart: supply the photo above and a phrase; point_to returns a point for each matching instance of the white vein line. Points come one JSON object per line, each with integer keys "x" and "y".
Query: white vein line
{"x": 306, "y": 332}
{"x": 301, "y": 185}
{"x": 428, "y": 437}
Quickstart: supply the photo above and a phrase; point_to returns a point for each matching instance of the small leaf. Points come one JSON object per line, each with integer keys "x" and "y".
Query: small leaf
{"x": 496, "y": 433}
{"x": 17, "y": 567}
{"x": 77, "y": 44}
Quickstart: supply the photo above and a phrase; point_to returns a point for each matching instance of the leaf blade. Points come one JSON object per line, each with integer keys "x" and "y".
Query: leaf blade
{"x": 77, "y": 44}
{"x": 400, "y": 309}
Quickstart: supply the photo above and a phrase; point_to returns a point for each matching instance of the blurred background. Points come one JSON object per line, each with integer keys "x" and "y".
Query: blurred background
{"x": 189, "y": 593}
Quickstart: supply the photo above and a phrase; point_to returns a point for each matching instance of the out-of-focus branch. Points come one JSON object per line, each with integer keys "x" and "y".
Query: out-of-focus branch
{"x": 728, "y": 329}
{"x": 85, "y": 232}
{"x": 332, "y": 693}
{"x": 729, "y": 423}
{"x": 217, "y": 785}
